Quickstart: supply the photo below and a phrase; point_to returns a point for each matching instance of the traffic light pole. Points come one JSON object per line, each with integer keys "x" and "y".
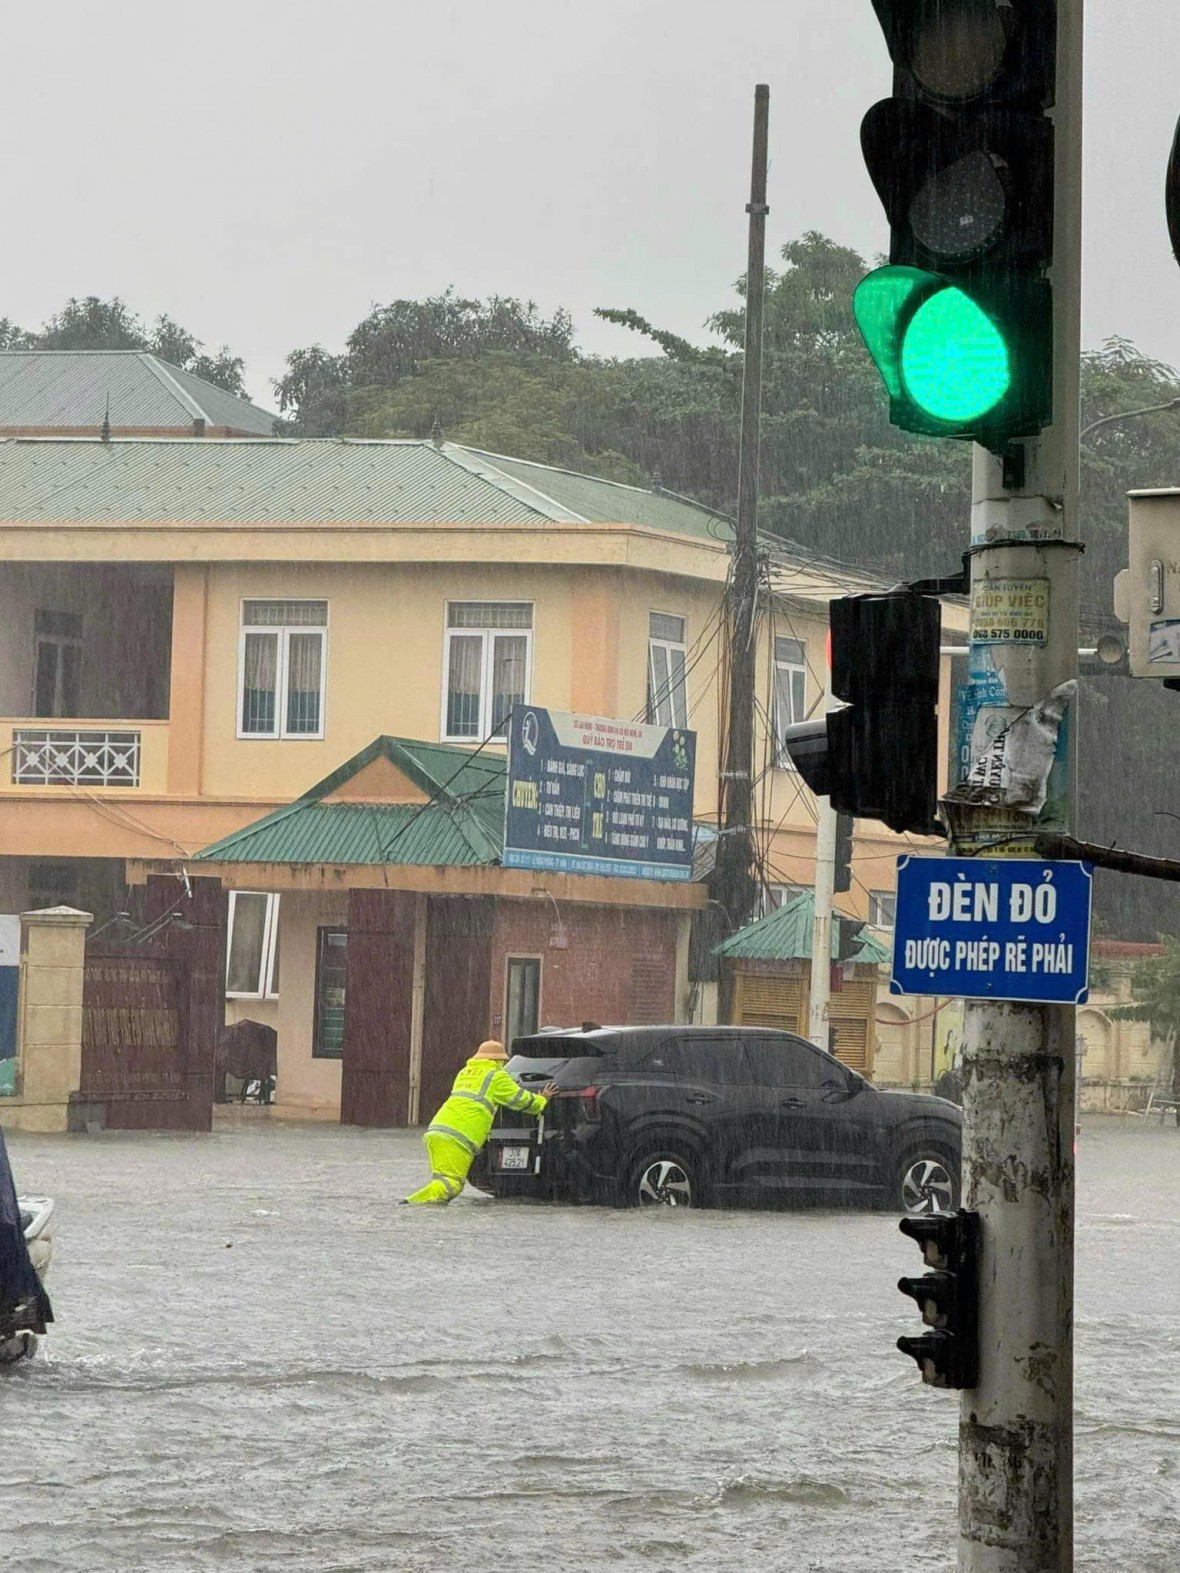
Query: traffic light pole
{"x": 821, "y": 928}
{"x": 1016, "y": 1425}
{"x": 820, "y": 989}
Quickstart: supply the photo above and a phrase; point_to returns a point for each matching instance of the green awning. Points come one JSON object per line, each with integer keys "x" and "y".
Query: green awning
{"x": 785, "y": 935}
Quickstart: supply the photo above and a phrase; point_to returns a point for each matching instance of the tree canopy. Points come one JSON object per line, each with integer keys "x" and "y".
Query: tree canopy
{"x": 93, "y": 324}
{"x": 400, "y": 341}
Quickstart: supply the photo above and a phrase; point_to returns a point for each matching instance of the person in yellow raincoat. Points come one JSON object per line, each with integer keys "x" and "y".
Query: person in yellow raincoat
{"x": 461, "y": 1126}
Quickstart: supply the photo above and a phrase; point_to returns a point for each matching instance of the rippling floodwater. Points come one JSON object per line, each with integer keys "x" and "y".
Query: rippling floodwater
{"x": 260, "y": 1362}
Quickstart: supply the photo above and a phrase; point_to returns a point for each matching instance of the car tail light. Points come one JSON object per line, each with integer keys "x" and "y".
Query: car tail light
{"x": 584, "y": 1101}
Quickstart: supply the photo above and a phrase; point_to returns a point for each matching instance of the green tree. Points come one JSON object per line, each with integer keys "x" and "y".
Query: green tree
{"x": 549, "y": 411}
{"x": 93, "y": 324}
{"x": 394, "y": 342}
{"x": 13, "y": 337}
{"x": 1155, "y": 990}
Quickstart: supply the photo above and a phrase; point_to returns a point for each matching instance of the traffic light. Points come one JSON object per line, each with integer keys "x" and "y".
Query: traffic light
{"x": 1172, "y": 194}
{"x": 948, "y": 1355}
{"x": 960, "y": 322}
{"x": 848, "y": 936}
{"x": 843, "y": 874}
{"x": 877, "y": 758}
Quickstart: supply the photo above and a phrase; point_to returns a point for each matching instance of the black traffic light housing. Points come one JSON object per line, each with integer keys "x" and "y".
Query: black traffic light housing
{"x": 877, "y": 758}
{"x": 1172, "y": 194}
{"x": 948, "y": 1296}
{"x": 848, "y": 936}
{"x": 842, "y": 880}
{"x": 960, "y": 322}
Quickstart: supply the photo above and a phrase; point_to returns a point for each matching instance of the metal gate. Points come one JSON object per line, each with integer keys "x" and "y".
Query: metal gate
{"x": 135, "y": 1071}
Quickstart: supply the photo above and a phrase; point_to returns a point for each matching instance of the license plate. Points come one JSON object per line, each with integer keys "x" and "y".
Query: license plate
{"x": 514, "y": 1157}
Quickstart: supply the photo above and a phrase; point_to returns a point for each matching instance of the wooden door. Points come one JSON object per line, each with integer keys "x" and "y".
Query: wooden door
{"x": 458, "y": 992}
{"x": 375, "y": 1065}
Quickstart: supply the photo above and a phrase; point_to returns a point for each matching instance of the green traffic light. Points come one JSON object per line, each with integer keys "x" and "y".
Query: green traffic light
{"x": 954, "y": 361}
{"x": 941, "y": 357}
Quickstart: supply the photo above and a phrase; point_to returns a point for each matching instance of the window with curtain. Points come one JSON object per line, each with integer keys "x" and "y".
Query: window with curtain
{"x": 790, "y": 694}
{"x": 252, "y": 952}
{"x": 282, "y": 669}
{"x": 667, "y": 660}
{"x": 488, "y": 661}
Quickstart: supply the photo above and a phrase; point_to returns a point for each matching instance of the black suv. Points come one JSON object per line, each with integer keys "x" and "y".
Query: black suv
{"x": 689, "y": 1115}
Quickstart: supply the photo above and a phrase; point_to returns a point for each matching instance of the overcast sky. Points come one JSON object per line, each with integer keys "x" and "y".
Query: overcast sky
{"x": 265, "y": 173}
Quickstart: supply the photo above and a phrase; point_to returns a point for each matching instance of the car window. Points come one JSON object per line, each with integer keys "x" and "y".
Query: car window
{"x": 718, "y": 1060}
{"x": 790, "y": 1062}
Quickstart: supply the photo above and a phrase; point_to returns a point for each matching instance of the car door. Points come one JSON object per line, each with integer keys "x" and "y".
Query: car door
{"x": 825, "y": 1131}
{"x": 703, "y": 1083}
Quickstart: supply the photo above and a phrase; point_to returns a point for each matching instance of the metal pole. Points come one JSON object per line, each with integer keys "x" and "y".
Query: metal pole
{"x": 820, "y": 992}
{"x": 821, "y": 928}
{"x": 1016, "y": 1426}
{"x": 735, "y": 886}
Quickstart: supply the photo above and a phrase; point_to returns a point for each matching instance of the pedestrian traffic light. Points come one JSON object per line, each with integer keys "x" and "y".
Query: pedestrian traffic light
{"x": 960, "y": 321}
{"x": 948, "y": 1355}
{"x": 877, "y": 757}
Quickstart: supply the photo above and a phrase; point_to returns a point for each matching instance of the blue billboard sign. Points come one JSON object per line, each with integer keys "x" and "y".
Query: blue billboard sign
{"x": 1005, "y": 929}
{"x": 588, "y": 795}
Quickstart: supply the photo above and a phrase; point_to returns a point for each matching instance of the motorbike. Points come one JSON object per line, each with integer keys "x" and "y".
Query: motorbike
{"x": 26, "y": 1249}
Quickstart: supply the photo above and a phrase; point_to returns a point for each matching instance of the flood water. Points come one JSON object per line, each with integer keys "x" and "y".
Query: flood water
{"x": 260, "y": 1362}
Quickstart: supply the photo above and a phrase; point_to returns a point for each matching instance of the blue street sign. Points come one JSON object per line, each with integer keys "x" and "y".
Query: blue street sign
{"x": 1006, "y": 929}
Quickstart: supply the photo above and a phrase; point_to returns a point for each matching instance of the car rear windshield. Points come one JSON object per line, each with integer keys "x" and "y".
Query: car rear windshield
{"x": 551, "y": 1053}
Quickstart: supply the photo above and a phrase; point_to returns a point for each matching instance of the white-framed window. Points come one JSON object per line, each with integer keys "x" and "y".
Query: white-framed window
{"x": 252, "y": 951}
{"x": 882, "y": 909}
{"x": 487, "y": 668}
{"x": 522, "y": 1004}
{"x": 667, "y": 658}
{"x": 282, "y": 665}
{"x": 776, "y": 896}
{"x": 790, "y": 694}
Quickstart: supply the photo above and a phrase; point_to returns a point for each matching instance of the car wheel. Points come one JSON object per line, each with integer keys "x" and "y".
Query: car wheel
{"x": 927, "y": 1182}
{"x": 663, "y": 1178}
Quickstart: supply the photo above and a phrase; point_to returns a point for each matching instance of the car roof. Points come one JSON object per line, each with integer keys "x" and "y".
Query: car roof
{"x": 653, "y": 1034}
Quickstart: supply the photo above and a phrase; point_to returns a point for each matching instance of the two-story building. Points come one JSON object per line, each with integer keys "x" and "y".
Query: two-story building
{"x": 195, "y": 632}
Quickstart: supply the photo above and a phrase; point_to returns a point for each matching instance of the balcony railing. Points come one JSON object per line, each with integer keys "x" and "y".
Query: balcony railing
{"x": 75, "y": 756}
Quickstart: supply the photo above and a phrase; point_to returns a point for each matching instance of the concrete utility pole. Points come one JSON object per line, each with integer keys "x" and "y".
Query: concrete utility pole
{"x": 734, "y": 883}
{"x": 1016, "y": 1426}
{"x": 820, "y": 991}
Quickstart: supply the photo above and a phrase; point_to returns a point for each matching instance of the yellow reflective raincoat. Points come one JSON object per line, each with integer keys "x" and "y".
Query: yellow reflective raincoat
{"x": 461, "y": 1126}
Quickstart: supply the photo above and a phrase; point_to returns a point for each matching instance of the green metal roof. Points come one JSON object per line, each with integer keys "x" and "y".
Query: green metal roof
{"x": 587, "y": 498}
{"x": 785, "y": 935}
{"x": 276, "y": 480}
{"x": 460, "y": 826}
{"x": 76, "y": 388}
